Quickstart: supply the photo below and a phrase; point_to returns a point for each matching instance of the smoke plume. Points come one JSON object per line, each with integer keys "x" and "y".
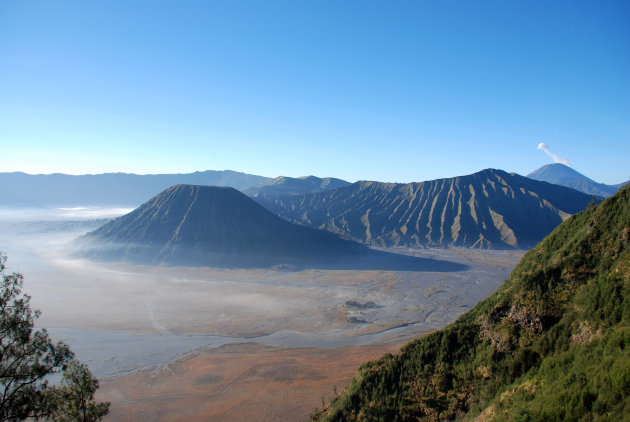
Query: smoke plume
{"x": 557, "y": 159}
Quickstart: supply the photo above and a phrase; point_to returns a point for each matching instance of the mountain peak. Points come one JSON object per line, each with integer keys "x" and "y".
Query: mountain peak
{"x": 557, "y": 170}
{"x": 560, "y": 174}
{"x": 489, "y": 208}
{"x": 210, "y": 225}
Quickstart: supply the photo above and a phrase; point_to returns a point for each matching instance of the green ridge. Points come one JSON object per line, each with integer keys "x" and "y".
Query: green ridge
{"x": 550, "y": 344}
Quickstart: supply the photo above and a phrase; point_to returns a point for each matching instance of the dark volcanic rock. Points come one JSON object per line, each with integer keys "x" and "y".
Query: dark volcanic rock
{"x": 206, "y": 225}
{"x": 488, "y": 209}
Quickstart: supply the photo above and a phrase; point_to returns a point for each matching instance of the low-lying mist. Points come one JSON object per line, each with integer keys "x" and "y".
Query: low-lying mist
{"x": 121, "y": 317}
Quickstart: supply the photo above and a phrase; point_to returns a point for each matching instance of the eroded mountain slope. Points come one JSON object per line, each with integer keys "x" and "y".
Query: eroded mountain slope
{"x": 490, "y": 208}
{"x": 210, "y": 225}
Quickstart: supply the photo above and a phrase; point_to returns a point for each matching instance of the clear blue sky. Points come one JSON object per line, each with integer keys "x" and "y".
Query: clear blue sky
{"x": 390, "y": 90}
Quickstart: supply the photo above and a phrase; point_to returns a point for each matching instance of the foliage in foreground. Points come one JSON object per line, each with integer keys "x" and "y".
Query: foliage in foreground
{"x": 74, "y": 399}
{"x": 29, "y": 356}
{"x": 551, "y": 344}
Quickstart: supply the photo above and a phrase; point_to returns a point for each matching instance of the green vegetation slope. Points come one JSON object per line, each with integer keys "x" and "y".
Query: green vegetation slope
{"x": 551, "y": 344}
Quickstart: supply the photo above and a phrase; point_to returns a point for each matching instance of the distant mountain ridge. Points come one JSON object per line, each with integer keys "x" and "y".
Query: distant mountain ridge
{"x": 108, "y": 189}
{"x": 210, "y": 226}
{"x": 488, "y": 209}
{"x": 287, "y": 186}
{"x": 560, "y": 174}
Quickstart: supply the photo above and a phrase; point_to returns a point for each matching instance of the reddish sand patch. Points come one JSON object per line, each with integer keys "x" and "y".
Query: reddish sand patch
{"x": 237, "y": 382}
